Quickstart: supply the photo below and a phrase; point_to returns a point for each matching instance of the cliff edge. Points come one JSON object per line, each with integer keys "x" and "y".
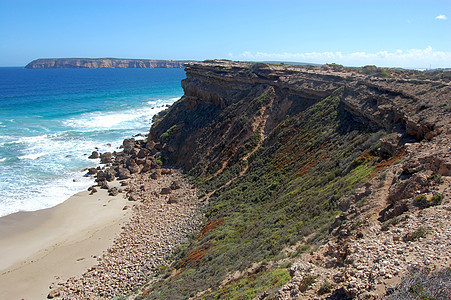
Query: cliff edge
{"x": 93, "y": 63}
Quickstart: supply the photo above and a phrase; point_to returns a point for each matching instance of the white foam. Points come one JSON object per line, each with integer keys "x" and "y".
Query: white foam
{"x": 128, "y": 119}
{"x": 49, "y": 194}
{"x": 2, "y": 159}
{"x": 32, "y": 139}
{"x": 33, "y": 155}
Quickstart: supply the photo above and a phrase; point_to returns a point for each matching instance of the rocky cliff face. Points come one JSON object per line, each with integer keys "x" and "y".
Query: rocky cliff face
{"x": 316, "y": 182}
{"x": 51, "y": 63}
{"x": 413, "y": 108}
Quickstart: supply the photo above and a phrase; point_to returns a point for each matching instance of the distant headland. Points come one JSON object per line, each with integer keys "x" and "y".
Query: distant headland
{"x": 93, "y": 63}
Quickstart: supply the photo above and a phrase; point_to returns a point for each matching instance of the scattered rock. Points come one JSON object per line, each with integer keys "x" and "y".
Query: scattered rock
{"x": 123, "y": 173}
{"x": 133, "y": 197}
{"x": 106, "y": 158}
{"x": 104, "y": 185}
{"x": 156, "y": 175}
{"x": 92, "y": 171}
{"x": 165, "y": 191}
{"x": 94, "y": 155}
{"x": 166, "y": 171}
{"x": 175, "y": 185}
{"x": 109, "y": 175}
{"x": 113, "y": 191}
{"x": 54, "y": 293}
{"x": 143, "y": 152}
{"x": 128, "y": 145}
{"x": 172, "y": 199}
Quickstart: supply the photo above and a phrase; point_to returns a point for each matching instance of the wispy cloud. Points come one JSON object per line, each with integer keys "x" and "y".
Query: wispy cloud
{"x": 441, "y": 17}
{"x": 412, "y": 58}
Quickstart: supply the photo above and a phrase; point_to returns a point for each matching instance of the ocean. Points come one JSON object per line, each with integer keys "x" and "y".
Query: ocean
{"x": 52, "y": 119}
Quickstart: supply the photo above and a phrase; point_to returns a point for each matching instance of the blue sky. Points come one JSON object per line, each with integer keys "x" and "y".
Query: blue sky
{"x": 404, "y": 33}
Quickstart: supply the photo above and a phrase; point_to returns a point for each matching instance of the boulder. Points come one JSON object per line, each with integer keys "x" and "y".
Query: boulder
{"x": 92, "y": 171}
{"x": 143, "y": 152}
{"x": 166, "y": 171}
{"x": 147, "y": 166}
{"x": 165, "y": 191}
{"x": 132, "y": 166}
{"x": 134, "y": 152}
{"x": 133, "y": 197}
{"x": 172, "y": 199}
{"x": 175, "y": 185}
{"x": 417, "y": 183}
{"x": 156, "y": 174}
{"x": 106, "y": 158}
{"x": 100, "y": 176}
{"x": 104, "y": 185}
{"x": 54, "y": 293}
{"x": 134, "y": 169}
{"x": 109, "y": 175}
{"x": 128, "y": 145}
{"x": 113, "y": 191}
{"x": 94, "y": 155}
{"x": 123, "y": 173}
{"x": 92, "y": 189}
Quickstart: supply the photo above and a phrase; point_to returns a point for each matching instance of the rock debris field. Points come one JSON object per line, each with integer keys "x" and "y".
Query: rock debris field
{"x": 164, "y": 216}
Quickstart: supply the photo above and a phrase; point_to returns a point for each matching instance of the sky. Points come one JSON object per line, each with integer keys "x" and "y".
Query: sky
{"x": 395, "y": 33}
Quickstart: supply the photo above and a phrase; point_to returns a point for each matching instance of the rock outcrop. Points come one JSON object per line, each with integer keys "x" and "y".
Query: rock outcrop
{"x": 94, "y": 63}
{"x": 200, "y": 130}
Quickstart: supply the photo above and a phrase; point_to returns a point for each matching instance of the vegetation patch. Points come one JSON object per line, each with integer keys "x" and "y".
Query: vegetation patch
{"x": 251, "y": 286}
{"x": 422, "y": 201}
{"x": 290, "y": 191}
{"x": 415, "y": 235}
{"x": 423, "y": 284}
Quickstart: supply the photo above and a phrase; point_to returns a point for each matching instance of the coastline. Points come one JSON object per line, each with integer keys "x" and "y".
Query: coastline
{"x": 39, "y": 247}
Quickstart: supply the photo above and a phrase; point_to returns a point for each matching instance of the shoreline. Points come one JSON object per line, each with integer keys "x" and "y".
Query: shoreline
{"x": 39, "y": 247}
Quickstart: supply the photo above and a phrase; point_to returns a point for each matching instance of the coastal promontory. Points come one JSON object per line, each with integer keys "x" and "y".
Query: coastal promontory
{"x": 97, "y": 63}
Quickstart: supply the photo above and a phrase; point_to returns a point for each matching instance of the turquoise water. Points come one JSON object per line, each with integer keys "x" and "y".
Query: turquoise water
{"x": 52, "y": 119}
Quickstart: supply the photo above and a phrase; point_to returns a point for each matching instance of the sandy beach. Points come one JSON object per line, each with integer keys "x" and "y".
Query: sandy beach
{"x": 41, "y": 247}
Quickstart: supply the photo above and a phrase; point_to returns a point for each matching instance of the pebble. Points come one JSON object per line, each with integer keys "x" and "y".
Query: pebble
{"x": 153, "y": 231}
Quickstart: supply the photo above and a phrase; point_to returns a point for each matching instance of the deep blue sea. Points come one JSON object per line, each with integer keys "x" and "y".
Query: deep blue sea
{"x": 52, "y": 119}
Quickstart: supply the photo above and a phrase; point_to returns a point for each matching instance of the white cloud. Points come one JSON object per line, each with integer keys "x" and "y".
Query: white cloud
{"x": 411, "y": 58}
{"x": 441, "y": 17}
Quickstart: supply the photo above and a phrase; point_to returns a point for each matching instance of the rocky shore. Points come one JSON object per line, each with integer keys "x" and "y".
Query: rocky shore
{"x": 165, "y": 214}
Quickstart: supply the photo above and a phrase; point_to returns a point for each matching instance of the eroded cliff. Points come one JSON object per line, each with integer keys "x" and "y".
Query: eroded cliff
{"x": 304, "y": 159}
{"x": 94, "y": 63}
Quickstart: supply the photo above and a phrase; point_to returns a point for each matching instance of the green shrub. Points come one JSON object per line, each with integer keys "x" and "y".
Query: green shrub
{"x": 413, "y": 236}
{"x": 306, "y": 282}
{"x": 325, "y": 288}
{"x": 423, "y": 202}
{"x": 422, "y": 284}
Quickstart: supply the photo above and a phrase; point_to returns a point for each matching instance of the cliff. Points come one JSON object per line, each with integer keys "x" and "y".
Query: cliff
{"x": 316, "y": 182}
{"x": 51, "y": 63}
